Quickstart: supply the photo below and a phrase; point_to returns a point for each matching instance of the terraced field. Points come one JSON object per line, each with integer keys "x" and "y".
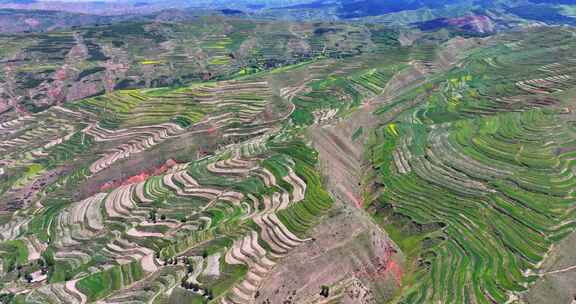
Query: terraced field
{"x": 222, "y": 219}
{"x": 370, "y": 172}
{"x": 161, "y": 194}
{"x": 46, "y": 69}
{"x": 478, "y": 180}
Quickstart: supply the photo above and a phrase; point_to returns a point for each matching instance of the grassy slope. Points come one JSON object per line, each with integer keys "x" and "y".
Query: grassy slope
{"x": 471, "y": 234}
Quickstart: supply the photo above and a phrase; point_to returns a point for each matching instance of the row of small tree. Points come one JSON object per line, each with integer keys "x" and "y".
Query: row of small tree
{"x": 23, "y": 270}
{"x": 206, "y": 292}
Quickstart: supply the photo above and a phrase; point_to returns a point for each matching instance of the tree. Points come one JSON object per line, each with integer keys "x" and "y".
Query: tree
{"x": 324, "y": 291}
{"x": 6, "y": 297}
{"x": 208, "y": 294}
{"x": 195, "y": 287}
{"x": 28, "y": 278}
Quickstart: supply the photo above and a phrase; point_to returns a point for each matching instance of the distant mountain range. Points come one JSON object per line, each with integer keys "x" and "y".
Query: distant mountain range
{"x": 19, "y": 20}
{"x": 549, "y": 11}
{"x": 123, "y": 7}
{"x": 32, "y": 15}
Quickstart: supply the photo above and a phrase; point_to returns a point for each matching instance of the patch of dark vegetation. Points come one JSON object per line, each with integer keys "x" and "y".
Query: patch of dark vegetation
{"x": 123, "y": 31}
{"x": 385, "y": 37}
{"x": 95, "y": 52}
{"x": 466, "y": 30}
{"x": 53, "y": 47}
{"x": 161, "y": 82}
{"x": 29, "y": 81}
{"x": 324, "y": 30}
{"x": 125, "y": 84}
{"x": 6, "y": 297}
{"x": 89, "y": 72}
{"x": 118, "y": 43}
{"x": 543, "y": 13}
{"x": 231, "y": 12}
{"x": 432, "y": 25}
{"x": 34, "y": 108}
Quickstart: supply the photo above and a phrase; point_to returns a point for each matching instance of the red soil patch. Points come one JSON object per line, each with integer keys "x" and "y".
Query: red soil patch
{"x": 359, "y": 202}
{"x": 386, "y": 266}
{"x": 396, "y": 270}
{"x": 142, "y": 176}
{"x": 60, "y": 74}
{"x": 55, "y": 91}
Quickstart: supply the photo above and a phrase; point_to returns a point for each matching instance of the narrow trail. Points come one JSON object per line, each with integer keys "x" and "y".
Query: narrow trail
{"x": 71, "y": 286}
{"x": 566, "y": 269}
